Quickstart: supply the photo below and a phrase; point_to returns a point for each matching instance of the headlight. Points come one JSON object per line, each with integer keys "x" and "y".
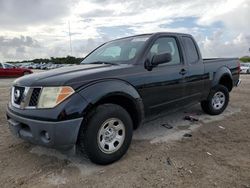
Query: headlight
{"x": 52, "y": 96}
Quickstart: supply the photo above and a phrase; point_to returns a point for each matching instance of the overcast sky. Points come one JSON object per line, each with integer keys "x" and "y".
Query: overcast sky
{"x": 39, "y": 28}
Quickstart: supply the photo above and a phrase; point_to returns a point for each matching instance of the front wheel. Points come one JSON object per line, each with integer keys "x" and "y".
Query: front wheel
{"x": 217, "y": 100}
{"x": 107, "y": 134}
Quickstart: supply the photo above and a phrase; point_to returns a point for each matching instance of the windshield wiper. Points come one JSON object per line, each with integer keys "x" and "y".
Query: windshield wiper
{"x": 103, "y": 62}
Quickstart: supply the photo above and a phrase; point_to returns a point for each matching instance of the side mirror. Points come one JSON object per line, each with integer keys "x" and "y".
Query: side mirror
{"x": 157, "y": 59}
{"x": 161, "y": 58}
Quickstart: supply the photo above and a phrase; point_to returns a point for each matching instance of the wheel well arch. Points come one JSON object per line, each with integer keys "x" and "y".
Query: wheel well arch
{"x": 226, "y": 81}
{"x": 114, "y": 91}
{"x": 134, "y": 109}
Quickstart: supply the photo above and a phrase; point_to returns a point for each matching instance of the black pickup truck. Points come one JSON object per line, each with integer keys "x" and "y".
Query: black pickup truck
{"x": 97, "y": 105}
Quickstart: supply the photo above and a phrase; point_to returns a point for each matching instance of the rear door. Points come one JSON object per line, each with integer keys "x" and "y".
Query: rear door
{"x": 195, "y": 77}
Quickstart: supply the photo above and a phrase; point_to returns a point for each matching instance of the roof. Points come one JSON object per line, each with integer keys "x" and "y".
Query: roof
{"x": 152, "y": 34}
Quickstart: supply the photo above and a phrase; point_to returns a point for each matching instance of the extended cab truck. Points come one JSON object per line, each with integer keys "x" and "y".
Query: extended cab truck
{"x": 98, "y": 104}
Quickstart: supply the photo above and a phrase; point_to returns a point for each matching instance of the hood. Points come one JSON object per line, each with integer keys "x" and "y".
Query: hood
{"x": 74, "y": 76}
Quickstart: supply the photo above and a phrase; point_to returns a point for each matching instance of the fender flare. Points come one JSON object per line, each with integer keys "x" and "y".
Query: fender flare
{"x": 223, "y": 71}
{"x": 98, "y": 90}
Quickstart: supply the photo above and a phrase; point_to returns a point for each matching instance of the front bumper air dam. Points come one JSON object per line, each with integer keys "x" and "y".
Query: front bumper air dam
{"x": 59, "y": 135}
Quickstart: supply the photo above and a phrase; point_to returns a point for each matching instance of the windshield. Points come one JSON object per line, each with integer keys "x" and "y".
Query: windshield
{"x": 8, "y": 66}
{"x": 118, "y": 51}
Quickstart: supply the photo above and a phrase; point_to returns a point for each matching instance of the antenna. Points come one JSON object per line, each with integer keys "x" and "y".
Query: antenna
{"x": 70, "y": 43}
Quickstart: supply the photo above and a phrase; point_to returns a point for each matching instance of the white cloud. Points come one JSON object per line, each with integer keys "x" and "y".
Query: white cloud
{"x": 215, "y": 46}
{"x": 18, "y": 47}
{"x": 47, "y": 23}
{"x": 19, "y": 14}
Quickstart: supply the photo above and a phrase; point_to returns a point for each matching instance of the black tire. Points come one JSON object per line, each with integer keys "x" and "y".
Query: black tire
{"x": 88, "y": 135}
{"x": 207, "y": 105}
{"x": 248, "y": 71}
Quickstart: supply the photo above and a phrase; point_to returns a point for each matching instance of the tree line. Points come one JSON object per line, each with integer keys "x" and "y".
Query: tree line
{"x": 245, "y": 59}
{"x": 54, "y": 60}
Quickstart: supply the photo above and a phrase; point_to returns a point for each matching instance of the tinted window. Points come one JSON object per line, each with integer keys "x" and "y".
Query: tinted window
{"x": 166, "y": 45}
{"x": 1, "y": 66}
{"x": 190, "y": 49}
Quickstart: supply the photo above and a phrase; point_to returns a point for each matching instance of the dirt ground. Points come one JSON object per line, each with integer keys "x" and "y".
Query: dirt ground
{"x": 217, "y": 154}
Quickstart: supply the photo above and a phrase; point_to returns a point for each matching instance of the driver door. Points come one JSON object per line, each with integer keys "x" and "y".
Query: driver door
{"x": 164, "y": 86}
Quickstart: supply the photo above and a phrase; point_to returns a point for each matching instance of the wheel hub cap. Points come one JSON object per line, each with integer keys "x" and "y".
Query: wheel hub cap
{"x": 218, "y": 100}
{"x": 111, "y": 135}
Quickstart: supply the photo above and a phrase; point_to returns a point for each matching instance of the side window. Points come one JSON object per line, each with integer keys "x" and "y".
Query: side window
{"x": 191, "y": 51}
{"x": 1, "y": 66}
{"x": 166, "y": 45}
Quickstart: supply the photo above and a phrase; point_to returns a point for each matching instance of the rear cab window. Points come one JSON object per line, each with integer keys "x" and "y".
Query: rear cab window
{"x": 191, "y": 50}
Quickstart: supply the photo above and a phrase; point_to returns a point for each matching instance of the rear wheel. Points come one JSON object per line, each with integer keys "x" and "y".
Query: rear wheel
{"x": 217, "y": 100}
{"x": 107, "y": 134}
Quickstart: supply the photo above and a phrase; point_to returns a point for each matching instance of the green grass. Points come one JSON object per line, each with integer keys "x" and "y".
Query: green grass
{"x": 245, "y": 59}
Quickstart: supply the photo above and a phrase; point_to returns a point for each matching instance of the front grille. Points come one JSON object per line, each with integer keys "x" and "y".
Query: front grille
{"x": 25, "y": 97}
{"x": 34, "y": 97}
{"x": 18, "y": 94}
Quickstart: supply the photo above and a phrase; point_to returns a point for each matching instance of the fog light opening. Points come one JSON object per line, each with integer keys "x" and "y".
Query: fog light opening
{"x": 45, "y": 136}
{"x": 25, "y": 127}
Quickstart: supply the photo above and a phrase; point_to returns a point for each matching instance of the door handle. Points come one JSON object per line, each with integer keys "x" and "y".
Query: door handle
{"x": 183, "y": 72}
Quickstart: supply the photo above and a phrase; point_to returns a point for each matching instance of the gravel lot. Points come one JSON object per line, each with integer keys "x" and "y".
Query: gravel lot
{"x": 217, "y": 154}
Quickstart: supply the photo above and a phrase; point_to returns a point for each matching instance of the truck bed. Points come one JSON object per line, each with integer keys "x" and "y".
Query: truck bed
{"x": 212, "y": 60}
{"x": 215, "y": 65}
